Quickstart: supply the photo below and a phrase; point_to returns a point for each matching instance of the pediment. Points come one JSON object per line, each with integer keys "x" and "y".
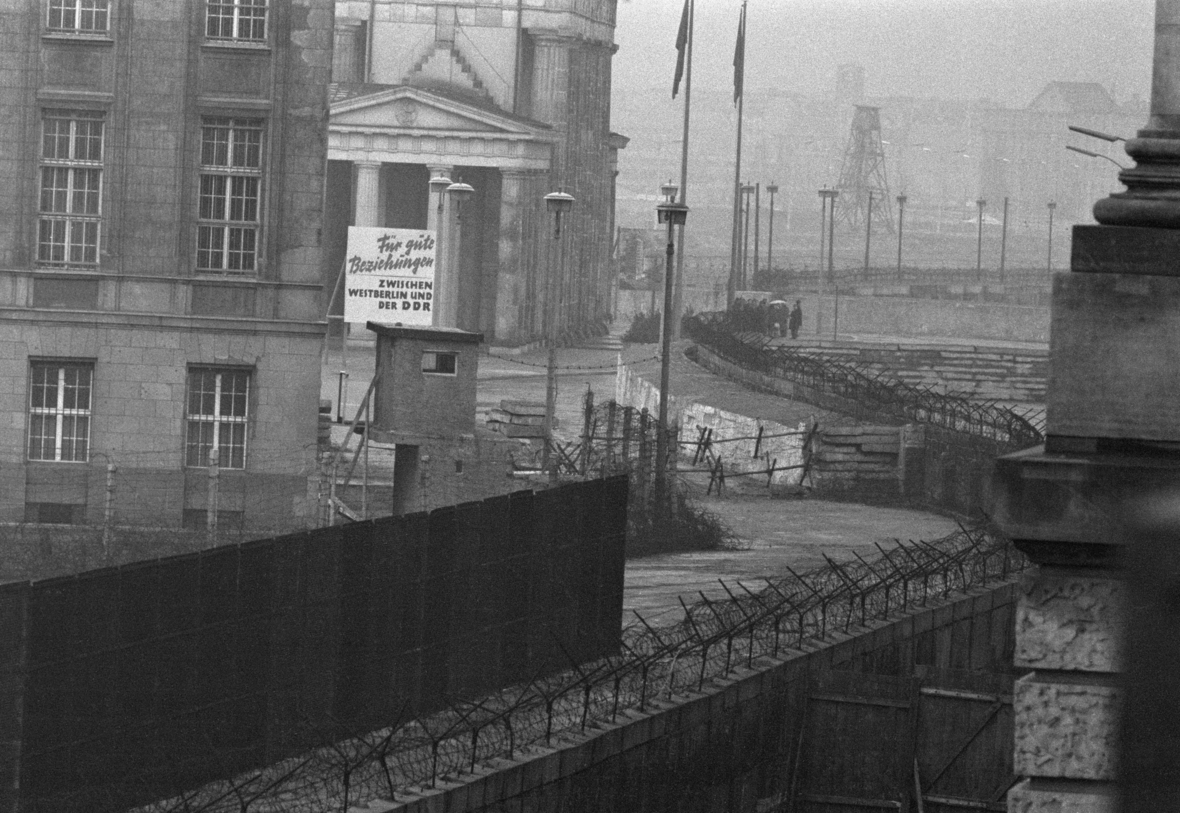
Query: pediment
{"x": 412, "y": 109}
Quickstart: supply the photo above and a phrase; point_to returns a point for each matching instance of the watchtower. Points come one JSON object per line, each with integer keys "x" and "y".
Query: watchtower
{"x": 862, "y": 174}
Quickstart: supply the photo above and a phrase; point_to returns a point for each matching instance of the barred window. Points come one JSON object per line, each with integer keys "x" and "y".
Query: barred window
{"x": 236, "y": 20}
{"x": 218, "y": 410}
{"x": 79, "y": 16}
{"x": 230, "y": 195}
{"x": 59, "y": 411}
{"x": 70, "y": 223}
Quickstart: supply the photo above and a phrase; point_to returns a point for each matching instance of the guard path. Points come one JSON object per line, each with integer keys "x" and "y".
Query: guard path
{"x": 772, "y": 533}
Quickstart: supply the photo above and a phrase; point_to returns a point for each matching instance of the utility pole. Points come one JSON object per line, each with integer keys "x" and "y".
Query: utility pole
{"x": 868, "y": 232}
{"x": 979, "y": 241}
{"x": 1004, "y": 240}
{"x": 900, "y": 227}
{"x": 771, "y": 188}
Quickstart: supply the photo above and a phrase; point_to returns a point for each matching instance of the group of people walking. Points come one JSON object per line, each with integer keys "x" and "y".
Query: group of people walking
{"x": 769, "y": 317}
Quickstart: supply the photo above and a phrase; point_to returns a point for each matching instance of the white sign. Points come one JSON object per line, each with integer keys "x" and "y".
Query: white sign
{"x": 389, "y": 275}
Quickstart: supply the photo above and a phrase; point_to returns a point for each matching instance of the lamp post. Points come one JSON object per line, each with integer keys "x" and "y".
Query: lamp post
{"x": 459, "y": 193}
{"x": 772, "y": 190}
{"x": 901, "y": 199}
{"x": 757, "y": 223}
{"x": 1004, "y": 240}
{"x": 833, "y": 194}
{"x": 439, "y": 184}
{"x": 747, "y": 191}
{"x": 868, "y": 232}
{"x": 674, "y": 214}
{"x": 823, "y": 226}
{"x": 1052, "y": 206}
{"x": 668, "y": 192}
{"x": 558, "y": 203}
{"x": 979, "y": 241}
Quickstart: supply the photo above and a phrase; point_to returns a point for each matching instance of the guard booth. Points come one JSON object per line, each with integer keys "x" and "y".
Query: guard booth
{"x": 424, "y": 403}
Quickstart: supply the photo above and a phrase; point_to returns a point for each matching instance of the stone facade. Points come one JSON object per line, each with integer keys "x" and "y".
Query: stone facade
{"x": 513, "y": 100}
{"x": 163, "y": 177}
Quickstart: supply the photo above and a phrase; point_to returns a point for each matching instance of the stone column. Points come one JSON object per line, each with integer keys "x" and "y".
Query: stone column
{"x": 551, "y": 67}
{"x": 514, "y": 185}
{"x": 367, "y": 195}
{"x": 1076, "y": 504}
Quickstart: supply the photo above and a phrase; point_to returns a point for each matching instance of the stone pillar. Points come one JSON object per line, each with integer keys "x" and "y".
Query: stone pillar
{"x": 1075, "y": 505}
{"x": 514, "y": 184}
{"x": 368, "y": 193}
{"x": 551, "y": 68}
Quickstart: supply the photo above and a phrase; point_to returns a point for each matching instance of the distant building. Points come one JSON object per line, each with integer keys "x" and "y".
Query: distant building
{"x": 511, "y": 99}
{"x": 163, "y": 173}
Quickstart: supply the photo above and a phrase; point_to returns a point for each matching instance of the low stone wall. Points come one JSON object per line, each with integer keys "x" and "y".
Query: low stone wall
{"x": 729, "y": 747}
{"x": 902, "y": 316}
{"x": 984, "y": 373}
{"x": 861, "y": 460}
{"x": 735, "y": 438}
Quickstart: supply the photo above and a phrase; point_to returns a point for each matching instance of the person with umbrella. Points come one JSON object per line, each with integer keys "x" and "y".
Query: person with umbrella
{"x": 778, "y": 312}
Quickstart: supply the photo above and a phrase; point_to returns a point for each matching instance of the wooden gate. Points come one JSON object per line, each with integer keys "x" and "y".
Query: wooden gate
{"x": 939, "y": 743}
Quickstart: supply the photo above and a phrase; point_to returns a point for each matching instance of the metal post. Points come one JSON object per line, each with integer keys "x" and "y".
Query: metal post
{"x": 365, "y": 473}
{"x": 900, "y": 227}
{"x": 665, "y": 375}
{"x": 108, "y": 513}
{"x": 979, "y": 241}
{"x": 823, "y": 225}
{"x": 771, "y": 187}
{"x": 868, "y": 233}
{"x": 832, "y": 193}
{"x": 1052, "y": 206}
{"x": 340, "y": 395}
{"x": 746, "y": 189}
{"x": 211, "y": 497}
{"x": 1003, "y": 239}
{"x": 757, "y": 223}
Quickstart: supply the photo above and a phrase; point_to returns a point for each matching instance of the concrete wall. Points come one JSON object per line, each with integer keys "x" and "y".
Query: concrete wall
{"x": 734, "y": 436}
{"x": 727, "y": 749}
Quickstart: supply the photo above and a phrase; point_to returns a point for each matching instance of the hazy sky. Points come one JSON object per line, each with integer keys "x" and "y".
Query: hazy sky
{"x": 1006, "y": 50}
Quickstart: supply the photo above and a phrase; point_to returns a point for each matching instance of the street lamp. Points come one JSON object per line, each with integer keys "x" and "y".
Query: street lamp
{"x": 823, "y": 227}
{"x": 439, "y": 184}
{"x": 747, "y": 190}
{"x": 1004, "y": 240}
{"x": 772, "y": 190}
{"x": 979, "y": 241}
{"x": 558, "y": 203}
{"x": 1052, "y": 205}
{"x": 674, "y": 214}
{"x": 833, "y": 194}
{"x": 901, "y": 199}
{"x": 459, "y": 193}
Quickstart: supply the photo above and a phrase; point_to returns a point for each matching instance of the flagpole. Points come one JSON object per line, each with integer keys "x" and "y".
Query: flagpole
{"x": 739, "y": 71}
{"x": 678, "y": 290}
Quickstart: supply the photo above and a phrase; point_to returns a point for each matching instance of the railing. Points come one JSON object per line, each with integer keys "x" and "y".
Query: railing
{"x": 867, "y": 394}
{"x": 654, "y": 664}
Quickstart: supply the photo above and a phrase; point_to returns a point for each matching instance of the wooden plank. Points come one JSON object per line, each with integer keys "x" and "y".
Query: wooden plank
{"x": 851, "y": 801}
{"x": 863, "y": 701}
{"x": 974, "y": 804}
{"x": 958, "y": 694}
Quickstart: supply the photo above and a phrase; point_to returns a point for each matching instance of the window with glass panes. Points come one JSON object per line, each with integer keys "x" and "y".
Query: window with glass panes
{"x": 59, "y": 411}
{"x": 230, "y": 195}
{"x": 79, "y": 16}
{"x": 218, "y": 409}
{"x": 70, "y": 223}
{"x": 236, "y": 20}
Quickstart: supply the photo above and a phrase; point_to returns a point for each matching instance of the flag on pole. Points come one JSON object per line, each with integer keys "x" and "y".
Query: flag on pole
{"x": 681, "y": 49}
{"x": 739, "y": 57}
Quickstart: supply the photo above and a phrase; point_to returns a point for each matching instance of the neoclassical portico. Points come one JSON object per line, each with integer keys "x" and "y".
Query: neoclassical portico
{"x": 386, "y": 142}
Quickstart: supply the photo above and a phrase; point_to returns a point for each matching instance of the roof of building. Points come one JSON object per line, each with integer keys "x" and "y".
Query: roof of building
{"x": 344, "y": 91}
{"x": 441, "y": 334}
{"x": 1074, "y": 97}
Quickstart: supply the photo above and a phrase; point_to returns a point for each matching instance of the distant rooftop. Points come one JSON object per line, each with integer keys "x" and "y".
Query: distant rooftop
{"x": 1074, "y": 97}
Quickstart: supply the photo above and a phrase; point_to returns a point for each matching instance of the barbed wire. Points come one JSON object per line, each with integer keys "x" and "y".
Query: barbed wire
{"x": 748, "y": 628}
{"x": 543, "y": 366}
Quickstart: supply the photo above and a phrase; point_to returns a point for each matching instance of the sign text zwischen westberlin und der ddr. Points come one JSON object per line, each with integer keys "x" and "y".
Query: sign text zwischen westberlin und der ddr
{"x": 389, "y": 275}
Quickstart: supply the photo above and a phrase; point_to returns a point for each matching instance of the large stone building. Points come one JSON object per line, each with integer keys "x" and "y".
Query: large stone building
{"x": 163, "y": 171}
{"x": 513, "y": 99}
